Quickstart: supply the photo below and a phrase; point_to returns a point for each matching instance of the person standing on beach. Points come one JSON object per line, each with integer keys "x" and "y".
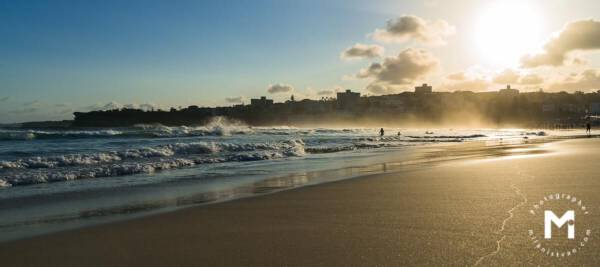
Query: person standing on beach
{"x": 588, "y": 128}
{"x": 381, "y": 132}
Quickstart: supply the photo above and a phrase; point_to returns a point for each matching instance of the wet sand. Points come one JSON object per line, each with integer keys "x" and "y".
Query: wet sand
{"x": 457, "y": 213}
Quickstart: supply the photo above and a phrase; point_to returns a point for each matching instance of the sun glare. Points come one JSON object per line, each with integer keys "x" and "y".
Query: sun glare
{"x": 505, "y": 31}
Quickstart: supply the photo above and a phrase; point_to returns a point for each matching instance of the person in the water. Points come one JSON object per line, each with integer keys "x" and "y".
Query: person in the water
{"x": 381, "y": 132}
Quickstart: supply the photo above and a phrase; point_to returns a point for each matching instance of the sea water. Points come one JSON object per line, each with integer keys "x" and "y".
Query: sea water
{"x": 52, "y": 180}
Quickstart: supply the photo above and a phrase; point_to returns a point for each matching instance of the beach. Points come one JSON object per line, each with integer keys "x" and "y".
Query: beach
{"x": 299, "y": 133}
{"x": 467, "y": 211}
{"x": 65, "y": 179}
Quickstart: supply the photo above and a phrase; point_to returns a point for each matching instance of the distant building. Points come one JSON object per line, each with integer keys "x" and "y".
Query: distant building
{"x": 385, "y": 103}
{"x": 568, "y": 107}
{"x": 347, "y": 99}
{"x": 262, "y": 102}
{"x": 548, "y": 107}
{"x": 423, "y": 89}
{"x": 509, "y": 91}
{"x": 312, "y": 106}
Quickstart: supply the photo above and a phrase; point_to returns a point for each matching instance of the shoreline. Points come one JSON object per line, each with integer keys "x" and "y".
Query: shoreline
{"x": 396, "y": 217}
{"x": 397, "y": 161}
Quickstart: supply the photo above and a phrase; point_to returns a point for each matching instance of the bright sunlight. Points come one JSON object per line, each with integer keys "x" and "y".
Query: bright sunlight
{"x": 507, "y": 30}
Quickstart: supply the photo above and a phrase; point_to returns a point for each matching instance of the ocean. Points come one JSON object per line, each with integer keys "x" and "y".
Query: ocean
{"x": 52, "y": 180}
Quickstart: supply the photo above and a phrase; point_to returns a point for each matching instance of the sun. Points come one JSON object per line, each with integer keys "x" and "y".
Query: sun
{"x": 507, "y": 30}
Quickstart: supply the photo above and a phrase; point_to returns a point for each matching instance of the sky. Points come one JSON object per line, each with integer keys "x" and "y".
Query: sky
{"x": 57, "y": 57}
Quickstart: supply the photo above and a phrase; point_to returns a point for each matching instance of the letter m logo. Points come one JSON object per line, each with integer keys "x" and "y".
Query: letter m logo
{"x": 550, "y": 218}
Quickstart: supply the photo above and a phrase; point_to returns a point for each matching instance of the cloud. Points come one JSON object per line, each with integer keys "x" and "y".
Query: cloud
{"x": 469, "y": 84}
{"x": 280, "y": 88}
{"x": 404, "y": 69}
{"x": 578, "y": 35}
{"x": 149, "y": 106}
{"x": 507, "y": 76}
{"x": 473, "y": 79}
{"x": 578, "y": 61}
{"x": 333, "y": 91}
{"x": 531, "y": 79}
{"x": 312, "y": 93}
{"x": 325, "y": 92}
{"x": 410, "y": 27}
{"x": 24, "y": 110}
{"x": 431, "y": 3}
{"x": 586, "y": 80}
{"x": 382, "y": 89}
{"x": 4, "y": 99}
{"x": 362, "y": 51}
{"x": 26, "y": 107}
{"x": 66, "y": 111}
{"x": 457, "y": 76}
{"x": 235, "y": 99}
{"x": 31, "y": 103}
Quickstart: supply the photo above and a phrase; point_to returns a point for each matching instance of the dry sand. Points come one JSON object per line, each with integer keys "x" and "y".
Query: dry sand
{"x": 453, "y": 213}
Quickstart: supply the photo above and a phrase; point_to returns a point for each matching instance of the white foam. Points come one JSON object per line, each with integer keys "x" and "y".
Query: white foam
{"x": 142, "y": 160}
{"x": 51, "y": 175}
{"x": 4, "y": 183}
{"x": 219, "y": 126}
{"x": 36, "y": 134}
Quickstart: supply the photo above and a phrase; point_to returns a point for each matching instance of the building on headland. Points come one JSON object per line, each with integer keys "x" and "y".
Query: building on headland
{"x": 517, "y": 108}
{"x": 423, "y": 89}
{"x": 548, "y": 107}
{"x": 509, "y": 91}
{"x": 348, "y": 99}
{"x": 262, "y": 102}
{"x": 385, "y": 103}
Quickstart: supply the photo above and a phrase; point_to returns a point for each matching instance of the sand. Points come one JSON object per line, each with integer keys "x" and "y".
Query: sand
{"x": 453, "y": 213}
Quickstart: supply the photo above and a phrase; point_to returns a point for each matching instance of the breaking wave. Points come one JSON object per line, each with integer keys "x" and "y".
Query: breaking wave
{"x": 287, "y": 148}
{"x": 150, "y": 159}
{"x": 9, "y": 135}
{"x": 143, "y": 160}
{"x": 217, "y": 127}
{"x": 219, "y": 141}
